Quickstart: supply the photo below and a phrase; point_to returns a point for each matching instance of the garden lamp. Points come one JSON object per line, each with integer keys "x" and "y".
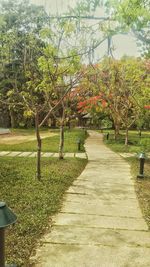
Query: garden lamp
{"x": 7, "y": 217}
{"x": 107, "y": 136}
{"x": 79, "y": 144}
{"x": 142, "y": 161}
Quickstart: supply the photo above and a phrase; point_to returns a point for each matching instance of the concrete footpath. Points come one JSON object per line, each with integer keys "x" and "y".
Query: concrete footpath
{"x": 100, "y": 224}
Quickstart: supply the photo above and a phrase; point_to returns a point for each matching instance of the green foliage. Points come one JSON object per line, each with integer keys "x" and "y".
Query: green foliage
{"x": 124, "y": 87}
{"x": 36, "y": 202}
{"x": 133, "y": 15}
{"x": 20, "y": 26}
{"x": 85, "y": 7}
{"x": 130, "y": 12}
{"x": 58, "y": 61}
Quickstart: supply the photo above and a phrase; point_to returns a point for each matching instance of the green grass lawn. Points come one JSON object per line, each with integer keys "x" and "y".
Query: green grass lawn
{"x": 142, "y": 186}
{"x": 34, "y": 202}
{"x": 136, "y": 143}
{"x": 49, "y": 144}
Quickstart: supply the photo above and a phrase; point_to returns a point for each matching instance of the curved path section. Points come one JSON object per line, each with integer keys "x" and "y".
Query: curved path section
{"x": 100, "y": 224}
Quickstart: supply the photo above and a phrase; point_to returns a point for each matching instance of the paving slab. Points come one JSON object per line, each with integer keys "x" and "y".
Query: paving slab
{"x": 101, "y": 208}
{"x": 81, "y": 155}
{"x": 100, "y": 223}
{"x": 14, "y": 154}
{"x": 47, "y": 155}
{"x": 104, "y": 200}
{"x": 104, "y": 191}
{"x": 55, "y": 155}
{"x": 76, "y": 255}
{"x": 33, "y": 155}
{"x": 69, "y": 155}
{"x": 25, "y": 154}
{"x": 4, "y": 153}
{"x": 43, "y": 154}
{"x": 67, "y": 235}
{"x": 128, "y": 155}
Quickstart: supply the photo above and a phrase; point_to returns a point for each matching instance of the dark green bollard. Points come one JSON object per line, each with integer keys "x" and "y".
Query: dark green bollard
{"x": 79, "y": 144}
{"x": 142, "y": 161}
{"x": 2, "y": 247}
{"x": 7, "y": 217}
{"x": 85, "y": 131}
{"x": 107, "y": 136}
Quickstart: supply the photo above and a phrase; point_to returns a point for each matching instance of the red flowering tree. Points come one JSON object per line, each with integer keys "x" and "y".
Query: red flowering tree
{"x": 95, "y": 106}
{"x": 93, "y": 103}
{"x": 147, "y": 107}
{"x": 122, "y": 86}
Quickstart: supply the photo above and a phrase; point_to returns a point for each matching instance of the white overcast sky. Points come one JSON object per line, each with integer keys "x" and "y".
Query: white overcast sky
{"x": 123, "y": 44}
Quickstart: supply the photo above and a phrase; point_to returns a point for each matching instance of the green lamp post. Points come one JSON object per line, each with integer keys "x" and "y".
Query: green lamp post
{"x": 107, "y": 136}
{"x": 142, "y": 161}
{"x": 79, "y": 144}
{"x": 7, "y": 217}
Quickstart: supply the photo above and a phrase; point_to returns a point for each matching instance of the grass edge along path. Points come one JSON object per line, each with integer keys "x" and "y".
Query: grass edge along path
{"x": 34, "y": 202}
{"x": 142, "y": 186}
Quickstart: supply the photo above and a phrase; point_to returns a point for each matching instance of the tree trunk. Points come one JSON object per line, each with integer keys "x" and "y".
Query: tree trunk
{"x": 68, "y": 124}
{"x": 61, "y": 144}
{"x": 53, "y": 122}
{"x": 127, "y": 136}
{"x": 13, "y": 119}
{"x": 39, "y": 145}
{"x": 117, "y": 128}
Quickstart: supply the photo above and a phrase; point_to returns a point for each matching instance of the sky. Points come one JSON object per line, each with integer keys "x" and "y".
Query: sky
{"x": 122, "y": 44}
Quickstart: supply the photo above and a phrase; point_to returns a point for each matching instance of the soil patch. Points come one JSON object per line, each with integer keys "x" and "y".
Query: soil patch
{"x": 13, "y": 138}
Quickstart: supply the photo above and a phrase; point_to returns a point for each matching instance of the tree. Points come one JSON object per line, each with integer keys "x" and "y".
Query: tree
{"x": 35, "y": 81}
{"x": 60, "y": 66}
{"x": 122, "y": 85}
{"x": 108, "y": 80}
{"x": 95, "y": 107}
{"x": 21, "y": 47}
{"x": 133, "y": 15}
{"x": 19, "y": 21}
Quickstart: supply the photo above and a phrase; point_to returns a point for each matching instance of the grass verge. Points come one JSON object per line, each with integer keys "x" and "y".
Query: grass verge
{"x": 136, "y": 143}
{"x": 51, "y": 144}
{"x": 142, "y": 187}
{"x": 34, "y": 202}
